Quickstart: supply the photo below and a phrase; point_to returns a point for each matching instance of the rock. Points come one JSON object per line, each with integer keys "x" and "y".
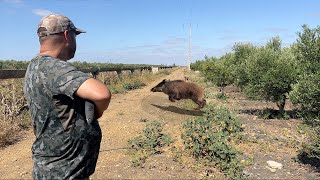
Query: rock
{"x": 271, "y": 169}
{"x": 24, "y": 173}
{"x": 274, "y": 165}
{"x": 246, "y": 173}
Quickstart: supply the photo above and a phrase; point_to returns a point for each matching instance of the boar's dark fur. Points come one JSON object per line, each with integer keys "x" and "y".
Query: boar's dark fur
{"x": 179, "y": 89}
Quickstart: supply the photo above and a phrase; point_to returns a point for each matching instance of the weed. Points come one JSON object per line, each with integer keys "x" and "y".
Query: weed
{"x": 310, "y": 151}
{"x": 208, "y": 138}
{"x": 221, "y": 96}
{"x": 13, "y": 111}
{"x": 143, "y": 120}
{"x": 134, "y": 85}
{"x": 149, "y": 142}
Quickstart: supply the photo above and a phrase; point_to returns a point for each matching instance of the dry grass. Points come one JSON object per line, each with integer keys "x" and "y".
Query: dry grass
{"x": 13, "y": 111}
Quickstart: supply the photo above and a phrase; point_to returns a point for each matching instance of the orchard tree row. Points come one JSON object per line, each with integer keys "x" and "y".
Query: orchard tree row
{"x": 13, "y": 64}
{"x": 271, "y": 72}
{"x": 274, "y": 73}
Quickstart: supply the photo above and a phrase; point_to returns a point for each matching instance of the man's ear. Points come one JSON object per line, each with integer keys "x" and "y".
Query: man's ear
{"x": 67, "y": 35}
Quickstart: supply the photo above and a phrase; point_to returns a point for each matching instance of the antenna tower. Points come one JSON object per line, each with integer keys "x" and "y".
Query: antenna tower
{"x": 189, "y": 50}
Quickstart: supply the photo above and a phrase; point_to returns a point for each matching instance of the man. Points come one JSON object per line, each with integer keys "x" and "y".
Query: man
{"x": 66, "y": 145}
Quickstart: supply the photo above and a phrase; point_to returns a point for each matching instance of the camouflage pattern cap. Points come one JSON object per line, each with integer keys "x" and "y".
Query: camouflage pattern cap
{"x": 54, "y": 24}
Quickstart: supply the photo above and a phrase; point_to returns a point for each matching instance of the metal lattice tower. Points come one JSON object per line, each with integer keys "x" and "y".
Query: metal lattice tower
{"x": 189, "y": 50}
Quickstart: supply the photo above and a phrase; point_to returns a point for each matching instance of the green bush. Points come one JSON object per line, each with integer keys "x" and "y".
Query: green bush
{"x": 12, "y": 64}
{"x": 238, "y": 65}
{"x": 306, "y": 92}
{"x": 271, "y": 71}
{"x": 134, "y": 85}
{"x": 196, "y": 66}
{"x": 310, "y": 151}
{"x": 307, "y": 49}
{"x": 209, "y": 137}
{"x": 217, "y": 72}
{"x": 148, "y": 142}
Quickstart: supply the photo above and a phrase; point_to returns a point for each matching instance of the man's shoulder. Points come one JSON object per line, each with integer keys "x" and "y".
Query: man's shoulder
{"x": 50, "y": 65}
{"x": 51, "y": 62}
{"x": 47, "y": 62}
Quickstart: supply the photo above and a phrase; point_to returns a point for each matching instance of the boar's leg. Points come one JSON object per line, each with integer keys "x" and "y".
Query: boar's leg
{"x": 174, "y": 96}
{"x": 201, "y": 103}
{"x": 177, "y": 97}
{"x": 171, "y": 98}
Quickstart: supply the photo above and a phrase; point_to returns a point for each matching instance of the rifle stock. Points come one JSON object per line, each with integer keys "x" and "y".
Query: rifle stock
{"x": 89, "y": 105}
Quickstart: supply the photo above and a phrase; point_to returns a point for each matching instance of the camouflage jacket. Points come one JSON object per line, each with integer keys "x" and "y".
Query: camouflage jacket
{"x": 66, "y": 146}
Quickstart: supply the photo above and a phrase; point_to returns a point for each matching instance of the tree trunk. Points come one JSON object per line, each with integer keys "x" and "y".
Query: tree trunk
{"x": 281, "y": 103}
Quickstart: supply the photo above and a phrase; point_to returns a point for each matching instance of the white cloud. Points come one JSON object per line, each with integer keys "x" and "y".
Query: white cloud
{"x": 41, "y": 12}
{"x": 315, "y": 15}
{"x": 13, "y": 1}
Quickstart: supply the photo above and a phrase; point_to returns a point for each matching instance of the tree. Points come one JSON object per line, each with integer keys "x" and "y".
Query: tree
{"x": 307, "y": 49}
{"x": 306, "y": 92}
{"x": 238, "y": 64}
{"x": 271, "y": 71}
{"x": 217, "y": 72}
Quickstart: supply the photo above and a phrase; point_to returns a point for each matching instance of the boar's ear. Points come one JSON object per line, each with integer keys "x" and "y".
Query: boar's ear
{"x": 164, "y": 80}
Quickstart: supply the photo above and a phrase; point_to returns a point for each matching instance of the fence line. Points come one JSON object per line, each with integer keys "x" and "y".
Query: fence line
{"x": 9, "y": 74}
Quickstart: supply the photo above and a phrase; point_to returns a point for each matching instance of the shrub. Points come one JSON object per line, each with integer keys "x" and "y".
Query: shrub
{"x": 13, "y": 111}
{"x": 306, "y": 92}
{"x": 242, "y": 51}
{"x": 307, "y": 49}
{"x": 271, "y": 71}
{"x": 208, "y": 138}
{"x": 134, "y": 85}
{"x": 148, "y": 142}
{"x": 217, "y": 72}
{"x": 310, "y": 151}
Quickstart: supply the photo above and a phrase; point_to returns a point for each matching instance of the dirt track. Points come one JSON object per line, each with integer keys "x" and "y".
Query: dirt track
{"x": 119, "y": 123}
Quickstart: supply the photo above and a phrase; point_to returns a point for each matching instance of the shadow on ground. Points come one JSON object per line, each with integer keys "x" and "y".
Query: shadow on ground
{"x": 179, "y": 110}
{"x": 314, "y": 162}
{"x": 268, "y": 113}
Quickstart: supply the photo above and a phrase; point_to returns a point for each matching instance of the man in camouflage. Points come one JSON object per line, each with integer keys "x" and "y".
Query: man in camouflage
{"x": 66, "y": 145}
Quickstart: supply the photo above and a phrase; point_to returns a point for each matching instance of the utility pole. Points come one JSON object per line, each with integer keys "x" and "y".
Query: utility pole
{"x": 189, "y": 51}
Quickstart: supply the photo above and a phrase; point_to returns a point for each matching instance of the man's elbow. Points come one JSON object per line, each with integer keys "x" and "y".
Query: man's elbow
{"x": 107, "y": 96}
{"x": 102, "y": 104}
{"x": 105, "y": 99}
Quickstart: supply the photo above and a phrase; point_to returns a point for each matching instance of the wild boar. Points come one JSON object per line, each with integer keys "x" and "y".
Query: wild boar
{"x": 179, "y": 89}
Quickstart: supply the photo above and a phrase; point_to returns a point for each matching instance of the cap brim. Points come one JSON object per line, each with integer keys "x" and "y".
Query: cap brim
{"x": 79, "y": 31}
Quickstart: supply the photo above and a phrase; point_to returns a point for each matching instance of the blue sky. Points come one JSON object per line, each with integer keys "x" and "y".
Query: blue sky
{"x": 155, "y": 31}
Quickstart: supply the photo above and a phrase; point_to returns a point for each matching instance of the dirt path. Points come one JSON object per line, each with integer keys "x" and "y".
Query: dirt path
{"x": 120, "y": 122}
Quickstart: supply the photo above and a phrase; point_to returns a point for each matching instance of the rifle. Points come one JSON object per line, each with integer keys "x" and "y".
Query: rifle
{"x": 89, "y": 105}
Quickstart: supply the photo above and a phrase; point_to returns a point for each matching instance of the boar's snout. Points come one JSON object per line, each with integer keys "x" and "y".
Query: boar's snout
{"x": 156, "y": 89}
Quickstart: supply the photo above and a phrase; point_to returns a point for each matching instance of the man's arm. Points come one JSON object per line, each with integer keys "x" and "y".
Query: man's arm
{"x": 97, "y": 92}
